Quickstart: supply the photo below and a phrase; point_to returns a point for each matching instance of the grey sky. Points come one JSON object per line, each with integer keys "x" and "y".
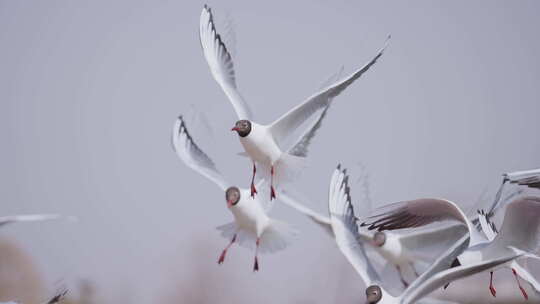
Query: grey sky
{"x": 89, "y": 91}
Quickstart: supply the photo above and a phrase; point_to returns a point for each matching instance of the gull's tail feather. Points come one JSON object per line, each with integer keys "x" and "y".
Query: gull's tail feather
{"x": 277, "y": 236}
{"x": 288, "y": 168}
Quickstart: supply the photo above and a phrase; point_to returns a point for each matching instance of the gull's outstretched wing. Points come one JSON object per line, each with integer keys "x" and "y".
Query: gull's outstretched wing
{"x": 346, "y": 229}
{"x": 424, "y": 243}
{"x": 316, "y": 217}
{"x": 291, "y": 120}
{"x": 440, "y": 278}
{"x": 488, "y": 227}
{"x": 4, "y": 220}
{"x": 418, "y": 213}
{"x": 193, "y": 156}
{"x": 220, "y": 62}
{"x": 521, "y": 225}
{"x": 300, "y": 148}
{"x": 529, "y": 178}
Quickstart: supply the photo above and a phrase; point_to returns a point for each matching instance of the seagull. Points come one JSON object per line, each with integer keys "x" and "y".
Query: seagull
{"x": 401, "y": 250}
{"x": 264, "y": 143}
{"x": 345, "y": 227}
{"x": 519, "y": 230}
{"x": 4, "y": 220}
{"x": 251, "y": 226}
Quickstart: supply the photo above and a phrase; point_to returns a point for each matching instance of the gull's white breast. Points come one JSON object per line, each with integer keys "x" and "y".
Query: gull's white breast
{"x": 249, "y": 214}
{"x": 260, "y": 145}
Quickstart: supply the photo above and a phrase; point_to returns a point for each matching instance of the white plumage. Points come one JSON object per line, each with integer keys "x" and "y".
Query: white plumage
{"x": 264, "y": 143}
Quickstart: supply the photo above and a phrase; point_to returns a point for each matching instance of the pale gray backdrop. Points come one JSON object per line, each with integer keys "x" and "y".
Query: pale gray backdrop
{"x": 89, "y": 91}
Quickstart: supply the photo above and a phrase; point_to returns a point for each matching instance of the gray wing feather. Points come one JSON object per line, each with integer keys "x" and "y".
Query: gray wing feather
{"x": 188, "y": 151}
{"x": 346, "y": 229}
{"x": 440, "y": 278}
{"x": 291, "y": 120}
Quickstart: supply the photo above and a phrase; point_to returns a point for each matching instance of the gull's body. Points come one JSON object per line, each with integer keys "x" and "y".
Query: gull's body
{"x": 252, "y": 227}
{"x": 401, "y": 250}
{"x": 344, "y": 225}
{"x": 519, "y": 230}
{"x": 264, "y": 143}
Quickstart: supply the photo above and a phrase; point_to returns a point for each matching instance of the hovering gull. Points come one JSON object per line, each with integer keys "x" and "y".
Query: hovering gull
{"x": 264, "y": 143}
{"x": 401, "y": 250}
{"x": 4, "y": 220}
{"x": 251, "y": 226}
{"x": 344, "y": 224}
{"x": 519, "y": 229}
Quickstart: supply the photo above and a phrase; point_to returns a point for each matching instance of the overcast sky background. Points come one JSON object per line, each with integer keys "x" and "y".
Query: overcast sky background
{"x": 89, "y": 91}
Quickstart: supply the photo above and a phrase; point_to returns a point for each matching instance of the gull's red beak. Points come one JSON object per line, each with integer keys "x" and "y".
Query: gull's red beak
{"x": 235, "y": 129}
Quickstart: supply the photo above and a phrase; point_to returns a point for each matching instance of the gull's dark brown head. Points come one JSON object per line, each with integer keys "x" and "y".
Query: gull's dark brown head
{"x": 242, "y": 127}
{"x": 232, "y": 195}
{"x": 379, "y": 238}
{"x": 373, "y": 294}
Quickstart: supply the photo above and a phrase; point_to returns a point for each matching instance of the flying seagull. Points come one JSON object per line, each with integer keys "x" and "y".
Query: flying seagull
{"x": 344, "y": 224}
{"x": 519, "y": 230}
{"x": 264, "y": 143}
{"x": 252, "y": 227}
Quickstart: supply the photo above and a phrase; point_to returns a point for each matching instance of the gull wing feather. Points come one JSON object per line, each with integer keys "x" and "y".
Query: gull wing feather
{"x": 440, "y": 278}
{"x": 221, "y": 63}
{"x": 291, "y": 120}
{"x": 316, "y": 217}
{"x": 4, "y": 220}
{"x": 488, "y": 228}
{"x": 188, "y": 151}
{"x": 346, "y": 229}
{"x": 521, "y": 225}
{"x": 418, "y": 213}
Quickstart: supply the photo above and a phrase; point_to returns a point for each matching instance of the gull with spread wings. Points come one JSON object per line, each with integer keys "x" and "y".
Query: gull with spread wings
{"x": 264, "y": 143}
{"x": 519, "y": 231}
{"x": 345, "y": 227}
{"x": 252, "y": 227}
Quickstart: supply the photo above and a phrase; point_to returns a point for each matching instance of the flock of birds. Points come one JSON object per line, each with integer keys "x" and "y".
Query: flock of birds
{"x": 457, "y": 247}
{"x": 465, "y": 245}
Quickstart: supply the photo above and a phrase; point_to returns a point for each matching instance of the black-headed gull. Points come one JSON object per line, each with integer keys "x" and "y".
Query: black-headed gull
{"x": 252, "y": 227}
{"x": 401, "y": 250}
{"x": 264, "y": 143}
{"x": 519, "y": 229}
{"x": 345, "y": 227}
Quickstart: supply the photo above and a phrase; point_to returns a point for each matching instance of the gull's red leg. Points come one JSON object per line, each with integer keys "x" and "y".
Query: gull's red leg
{"x": 224, "y": 252}
{"x": 414, "y": 269}
{"x": 523, "y": 292}
{"x": 256, "y": 264}
{"x": 272, "y": 192}
{"x": 491, "y": 288}
{"x": 405, "y": 284}
{"x": 253, "y": 190}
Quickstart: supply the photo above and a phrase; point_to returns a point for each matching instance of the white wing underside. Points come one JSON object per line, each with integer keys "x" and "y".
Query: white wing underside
{"x": 436, "y": 277}
{"x": 316, "y": 217}
{"x": 4, "y": 220}
{"x": 221, "y": 63}
{"x": 188, "y": 151}
{"x": 521, "y": 225}
{"x": 345, "y": 228}
{"x": 418, "y": 213}
{"x": 291, "y": 120}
